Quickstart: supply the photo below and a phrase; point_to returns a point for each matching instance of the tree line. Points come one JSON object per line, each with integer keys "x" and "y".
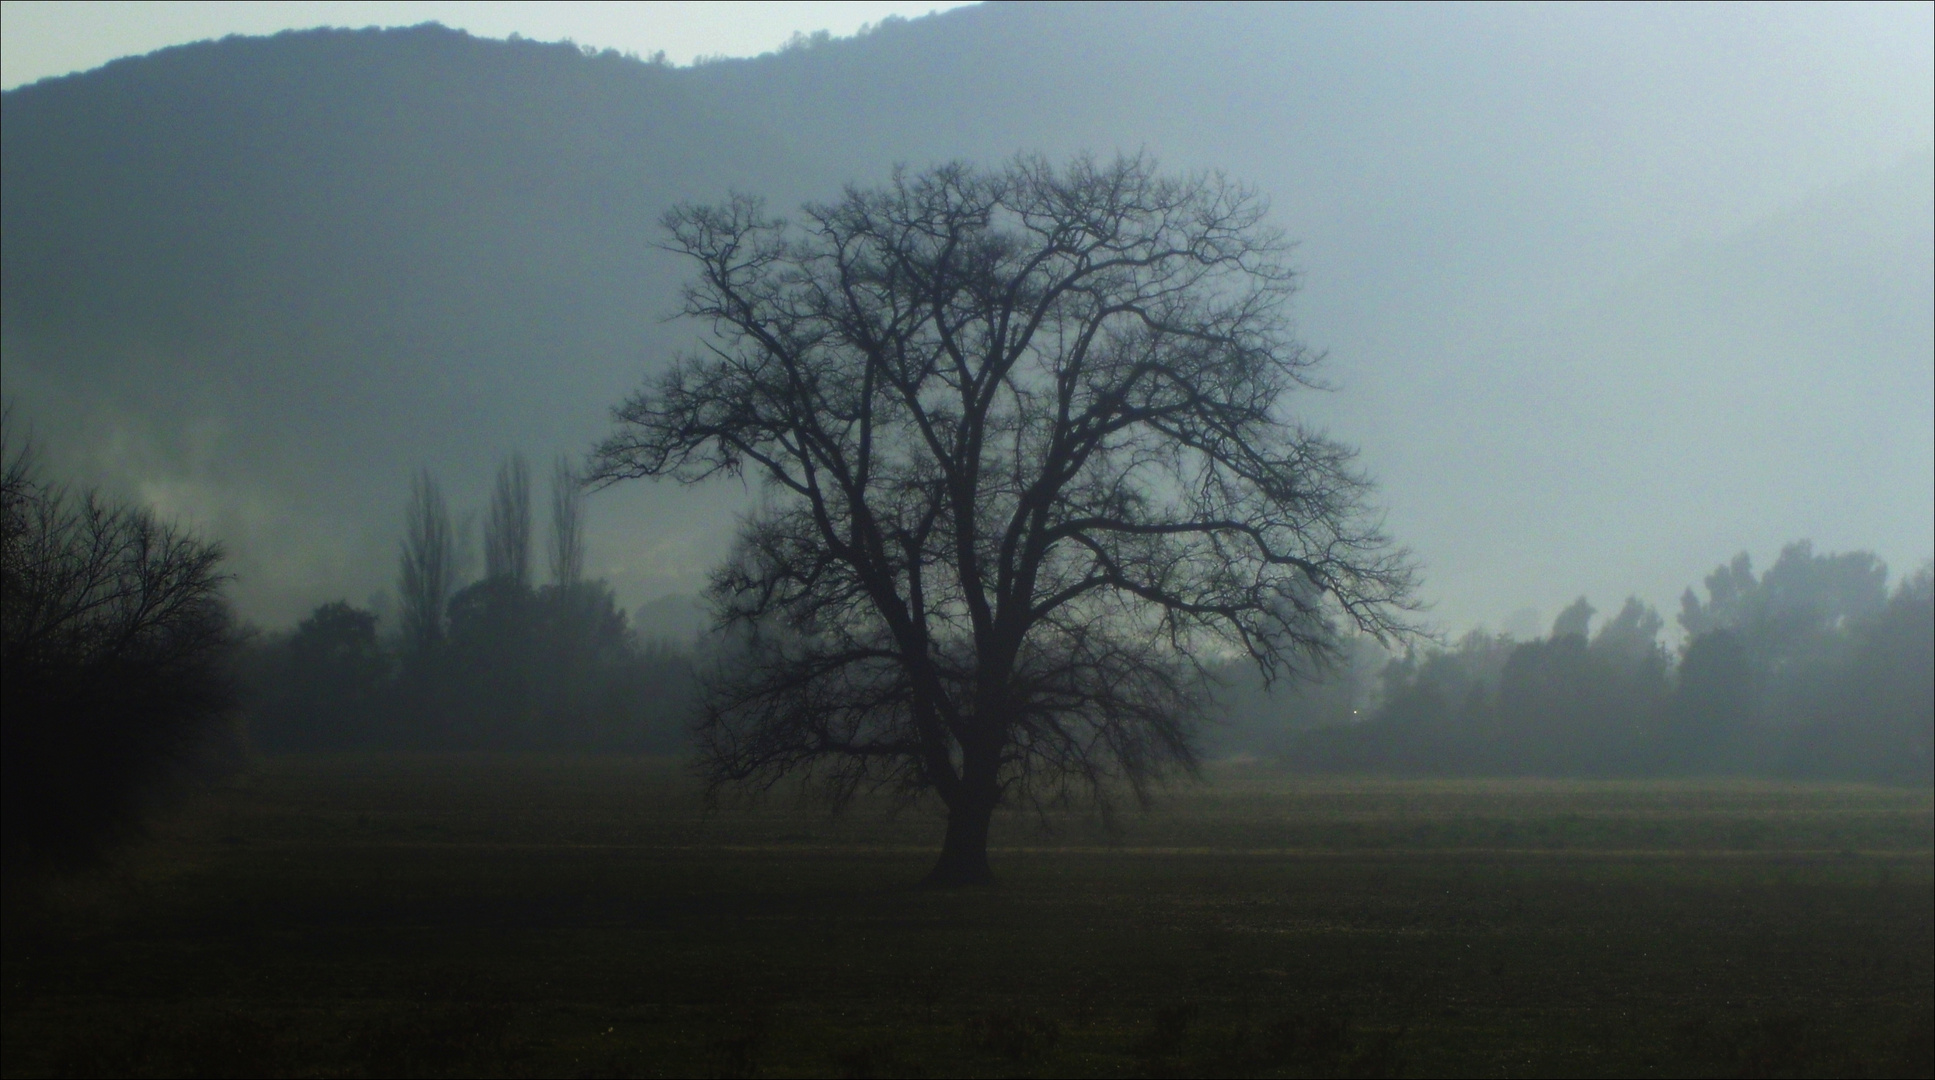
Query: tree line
{"x": 1813, "y": 669}
{"x": 121, "y": 663}
{"x": 501, "y": 662}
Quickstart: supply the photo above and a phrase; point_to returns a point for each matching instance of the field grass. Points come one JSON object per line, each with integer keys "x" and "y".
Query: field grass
{"x": 394, "y": 915}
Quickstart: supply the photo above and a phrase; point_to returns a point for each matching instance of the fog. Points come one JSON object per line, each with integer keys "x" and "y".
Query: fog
{"x": 1608, "y": 294}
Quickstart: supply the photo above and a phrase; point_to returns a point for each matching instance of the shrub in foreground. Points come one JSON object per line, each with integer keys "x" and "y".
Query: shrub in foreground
{"x": 114, "y": 639}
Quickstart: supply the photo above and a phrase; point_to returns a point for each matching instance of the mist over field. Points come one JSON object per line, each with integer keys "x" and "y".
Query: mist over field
{"x": 1608, "y": 295}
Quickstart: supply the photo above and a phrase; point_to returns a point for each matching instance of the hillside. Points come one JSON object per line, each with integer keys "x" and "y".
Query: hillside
{"x": 258, "y": 281}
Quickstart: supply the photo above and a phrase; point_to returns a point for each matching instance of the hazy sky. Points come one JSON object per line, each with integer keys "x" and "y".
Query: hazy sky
{"x": 40, "y": 39}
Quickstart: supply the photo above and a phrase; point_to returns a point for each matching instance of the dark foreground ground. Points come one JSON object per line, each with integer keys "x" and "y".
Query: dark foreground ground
{"x": 352, "y": 916}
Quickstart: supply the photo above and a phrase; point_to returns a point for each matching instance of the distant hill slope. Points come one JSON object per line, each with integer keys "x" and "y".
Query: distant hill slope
{"x": 258, "y": 281}
{"x": 322, "y": 258}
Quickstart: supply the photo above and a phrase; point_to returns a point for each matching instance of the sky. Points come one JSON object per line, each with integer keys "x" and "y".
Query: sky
{"x": 41, "y": 39}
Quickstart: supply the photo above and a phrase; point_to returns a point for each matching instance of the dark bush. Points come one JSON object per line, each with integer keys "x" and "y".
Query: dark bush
{"x": 115, "y": 641}
{"x": 322, "y": 686}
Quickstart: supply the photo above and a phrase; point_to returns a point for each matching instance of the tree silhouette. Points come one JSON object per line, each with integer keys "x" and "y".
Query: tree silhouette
{"x": 567, "y": 546}
{"x": 115, "y": 643}
{"x": 1877, "y": 722}
{"x": 328, "y": 680}
{"x": 1794, "y": 622}
{"x": 1713, "y": 706}
{"x": 1031, "y": 468}
{"x": 507, "y": 531}
{"x": 1574, "y": 621}
{"x": 429, "y": 570}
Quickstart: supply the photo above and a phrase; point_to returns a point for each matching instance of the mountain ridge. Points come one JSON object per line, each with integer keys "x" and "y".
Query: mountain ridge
{"x": 260, "y": 280}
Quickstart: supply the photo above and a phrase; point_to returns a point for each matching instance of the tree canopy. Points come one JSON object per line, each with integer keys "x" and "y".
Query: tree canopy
{"x": 1029, "y": 461}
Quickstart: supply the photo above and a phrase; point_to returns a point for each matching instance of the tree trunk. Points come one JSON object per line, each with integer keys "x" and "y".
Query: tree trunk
{"x": 964, "y": 854}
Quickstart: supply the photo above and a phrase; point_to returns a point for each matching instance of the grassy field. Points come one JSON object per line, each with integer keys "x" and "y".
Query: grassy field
{"x": 348, "y": 916}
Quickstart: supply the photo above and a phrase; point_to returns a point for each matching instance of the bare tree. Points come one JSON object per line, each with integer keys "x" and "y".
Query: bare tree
{"x": 1031, "y": 469}
{"x": 567, "y": 548}
{"x": 507, "y": 531}
{"x": 114, "y": 639}
{"x": 429, "y": 560}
